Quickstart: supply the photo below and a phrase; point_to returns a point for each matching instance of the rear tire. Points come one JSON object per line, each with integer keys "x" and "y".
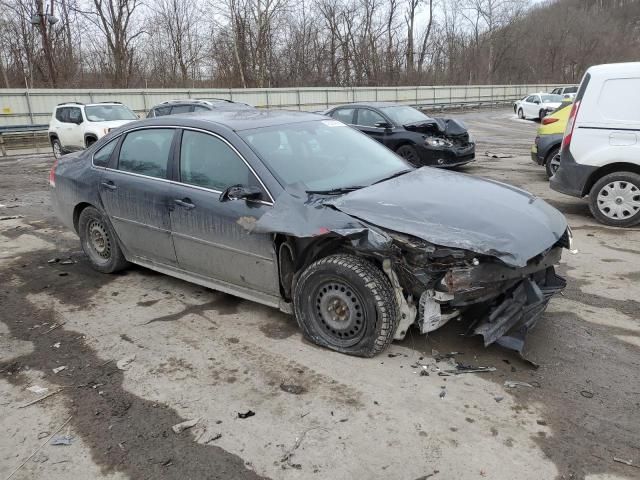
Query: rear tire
{"x": 345, "y": 303}
{"x": 521, "y": 114}
{"x": 542, "y": 114}
{"x": 99, "y": 242}
{"x": 552, "y": 162}
{"x": 615, "y": 199}
{"x": 410, "y": 154}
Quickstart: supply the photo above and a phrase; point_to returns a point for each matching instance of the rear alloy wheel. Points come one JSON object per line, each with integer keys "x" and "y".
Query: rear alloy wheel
{"x": 521, "y": 114}
{"x": 410, "y": 154}
{"x": 99, "y": 242}
{"x": 56, "y": 146}
{"x": 615, "y": 199}
{"x": 553, "y": 162}
{"x": 345, "y": 303}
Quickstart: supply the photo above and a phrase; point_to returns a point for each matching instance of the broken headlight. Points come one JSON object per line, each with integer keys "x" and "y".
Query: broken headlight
{"x": 437, "y": 142}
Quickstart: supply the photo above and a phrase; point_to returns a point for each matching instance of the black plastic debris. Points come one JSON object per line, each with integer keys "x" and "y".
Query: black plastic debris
{"x": 247, "y": 414}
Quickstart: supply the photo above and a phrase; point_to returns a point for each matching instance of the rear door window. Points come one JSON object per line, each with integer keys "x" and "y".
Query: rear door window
{"x": 206, "y": 161}
{"x": 102, "y": 156}
{"x": 75, "y": 115}
{"x": 62, "y": 115}
{"x": 161, "y": 111}
{"x": 345, "y": 115}
{"x": 181, "y": 109}
{"x": 200, "y": 108}
{"x": 146, "y": 152}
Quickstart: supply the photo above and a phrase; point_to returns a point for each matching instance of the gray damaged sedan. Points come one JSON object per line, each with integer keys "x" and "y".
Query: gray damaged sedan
{"x": 302, "y": 213}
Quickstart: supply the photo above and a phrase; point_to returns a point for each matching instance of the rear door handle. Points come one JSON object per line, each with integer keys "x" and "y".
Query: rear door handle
{"x": 109, "y": 185}
{"x": 185, "y": 203}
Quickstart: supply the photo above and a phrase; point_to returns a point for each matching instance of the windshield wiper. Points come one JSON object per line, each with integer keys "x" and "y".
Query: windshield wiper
{"x": 336, "y": 191}
{"x": 397, "y": 174}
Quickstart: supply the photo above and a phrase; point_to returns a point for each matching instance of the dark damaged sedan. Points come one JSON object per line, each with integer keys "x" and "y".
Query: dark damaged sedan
{"x": 305, "y": 214}
{"x": 418, "y": 138}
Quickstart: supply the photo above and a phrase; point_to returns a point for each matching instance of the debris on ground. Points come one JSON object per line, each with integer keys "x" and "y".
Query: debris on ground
{"x": 247, "y": 414}
{"x": 11, "y": 217}
{"x": 56, "y": 345}
{"x": 68, "y": 261}
{"x": 498, "y": 155}
{"x": 392, "y": 355}
{"x": 287, "y": 456}
{"x": 626, "y": 462}
{"x": 61, "y": 440}
{"x": 443, "y": 392}
{"x": 53, "y": 260}
{"x": 215, "y": 437}
{"x": 63, "y": 274}
{"x": 40, "y": 458}
{"x": 424, "y": 373}
{"x": 461, "y": 368}
{"x": 292, "y": 388}
{"x": 498, "y": 399}
{"x": 437, "y": 356}
{"x": 59, "y": 369}
{"x": 586, "y": 394}
{"x": 181, "y": 427}
{"x": 516, "y": 384}
{"x": 125, "y": 363}
{"x": 37, "y": 389}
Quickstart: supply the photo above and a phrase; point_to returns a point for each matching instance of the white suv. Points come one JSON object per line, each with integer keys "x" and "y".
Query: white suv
{"x": 566, "y": 92}
{"x": 76, "y": 126}
{"x": 600, "y": 154}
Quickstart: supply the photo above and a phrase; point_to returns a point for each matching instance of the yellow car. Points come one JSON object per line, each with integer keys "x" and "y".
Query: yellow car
{"x": 546, "y": 149}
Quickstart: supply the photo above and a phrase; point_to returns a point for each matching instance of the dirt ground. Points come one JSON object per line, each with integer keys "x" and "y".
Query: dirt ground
{"x": 194, "y": 354}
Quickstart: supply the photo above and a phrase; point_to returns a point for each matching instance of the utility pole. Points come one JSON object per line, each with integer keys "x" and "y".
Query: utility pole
{"x": 44, "y": 21}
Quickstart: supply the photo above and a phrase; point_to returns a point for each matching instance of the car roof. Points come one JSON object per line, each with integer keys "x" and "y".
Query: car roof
{"x": 80, "y": 104}
{"x": 238, "y": 120}
{"x": 373, "y": 104}
{"x": 608, "y": 69}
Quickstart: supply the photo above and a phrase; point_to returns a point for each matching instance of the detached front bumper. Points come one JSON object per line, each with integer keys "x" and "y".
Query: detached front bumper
{"x": 502, "y": 303}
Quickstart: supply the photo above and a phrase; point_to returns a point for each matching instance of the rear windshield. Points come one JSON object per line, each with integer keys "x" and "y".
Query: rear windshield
{"x": 107, "y": 113}
{"x": 552, "y": 98}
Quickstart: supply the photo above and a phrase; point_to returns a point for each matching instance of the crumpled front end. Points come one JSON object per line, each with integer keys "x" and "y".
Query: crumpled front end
{"x": 502, "y": 303}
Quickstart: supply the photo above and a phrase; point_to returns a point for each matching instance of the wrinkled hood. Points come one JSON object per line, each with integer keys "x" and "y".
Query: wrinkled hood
{"x": 442, "y": 126}
{"x": 459, "y": 211}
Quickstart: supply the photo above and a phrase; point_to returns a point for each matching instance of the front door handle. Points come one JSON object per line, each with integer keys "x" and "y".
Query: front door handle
{"x": 185, "y": 203}
{"x": 109, "y": 185}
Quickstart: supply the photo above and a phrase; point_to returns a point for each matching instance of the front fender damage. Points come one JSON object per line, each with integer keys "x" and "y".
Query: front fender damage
{"x": 433, "y": 284}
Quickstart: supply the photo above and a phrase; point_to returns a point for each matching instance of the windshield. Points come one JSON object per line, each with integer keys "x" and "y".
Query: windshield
{"x": 403, "y": 115}
{"x": 322, "y": 155}
{"x": 551, "y": 98}
{"x": 107, "y": 113}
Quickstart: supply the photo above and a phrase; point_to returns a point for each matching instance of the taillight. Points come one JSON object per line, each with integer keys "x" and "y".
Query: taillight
{"x": 52, "y": 174}
{"x": 568, "y": 133}
{"x": 548, "y": 120}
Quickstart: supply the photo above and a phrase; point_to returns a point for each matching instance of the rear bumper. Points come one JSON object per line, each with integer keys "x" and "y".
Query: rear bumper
{"x": 571, "y": 178}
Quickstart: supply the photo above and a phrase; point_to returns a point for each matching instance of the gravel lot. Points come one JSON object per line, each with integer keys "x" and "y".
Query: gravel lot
{"x": 205, "y": 356}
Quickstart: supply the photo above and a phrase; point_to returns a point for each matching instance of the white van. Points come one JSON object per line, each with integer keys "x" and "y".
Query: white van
{"x": 600, "y": 155}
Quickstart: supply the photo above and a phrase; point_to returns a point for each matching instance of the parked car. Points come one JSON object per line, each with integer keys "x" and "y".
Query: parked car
{"x": 600, "y": 155}
{"x": 302, "y": 213}
{"x": 172, "y": 107}
{"x": 566, "y": 92}
{"x": 546, "y": 148}
{"x": 76, "y": 126}
{"x": 420, "y": 139}
{"x": 538, "y": 105}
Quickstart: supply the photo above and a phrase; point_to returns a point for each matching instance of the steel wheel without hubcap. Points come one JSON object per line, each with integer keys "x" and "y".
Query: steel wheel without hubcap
{"x": 619, "y": 200}
{"x": 99, "y": 240}
{"x": 339, "y": 313}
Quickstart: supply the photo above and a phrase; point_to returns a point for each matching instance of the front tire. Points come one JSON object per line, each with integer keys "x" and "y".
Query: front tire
{"x": 615, "y": 199}
{"x": 521, "y": 114}
{"x": 410, "y": 154}
{"x": 345, "y": 303}
{"x": 542, "y": 114}
{"x": 99, "y": 242}
{"x": 56, "y": 146}
{"x": 552, "y": 162}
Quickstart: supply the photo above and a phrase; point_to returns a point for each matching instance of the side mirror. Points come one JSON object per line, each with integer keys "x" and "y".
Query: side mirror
{"x": 240, "y": 192}
{"x": 384, "y": 125}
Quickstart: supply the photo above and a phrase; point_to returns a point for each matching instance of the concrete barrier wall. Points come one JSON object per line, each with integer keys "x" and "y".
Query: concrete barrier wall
{"x": 33, "y": 107}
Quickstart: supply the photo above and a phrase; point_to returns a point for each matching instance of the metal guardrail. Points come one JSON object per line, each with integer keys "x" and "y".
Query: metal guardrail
{"x": 23, "y": 137}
